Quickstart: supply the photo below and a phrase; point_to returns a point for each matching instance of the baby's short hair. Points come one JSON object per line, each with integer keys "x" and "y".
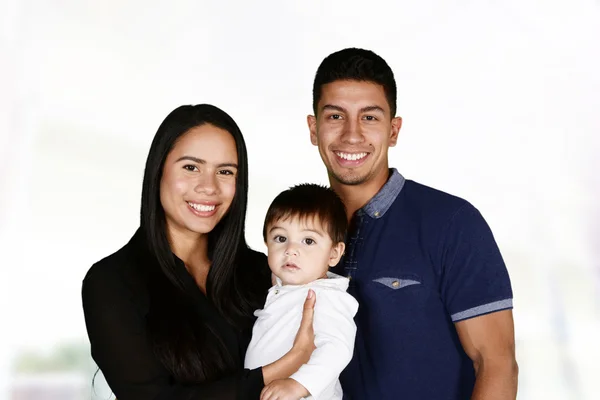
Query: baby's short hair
{"x": 309, "y": 200}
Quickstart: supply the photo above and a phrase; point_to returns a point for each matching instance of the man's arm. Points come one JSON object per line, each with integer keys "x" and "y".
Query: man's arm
{"x": 489, "y": 341}
{"x": 478, "y": 295}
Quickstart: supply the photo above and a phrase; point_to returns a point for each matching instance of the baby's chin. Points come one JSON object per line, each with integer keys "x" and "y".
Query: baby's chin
{"x": 298, "y": 281}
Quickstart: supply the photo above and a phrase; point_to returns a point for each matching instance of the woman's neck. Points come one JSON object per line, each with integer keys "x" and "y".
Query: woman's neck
{"x": 192, "y": 249}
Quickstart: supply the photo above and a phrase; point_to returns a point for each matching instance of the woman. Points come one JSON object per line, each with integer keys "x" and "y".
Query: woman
{"x": 169, "y": 316}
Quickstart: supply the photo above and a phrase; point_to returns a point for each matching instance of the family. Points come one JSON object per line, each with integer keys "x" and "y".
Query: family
{"x": 377, "y": 287}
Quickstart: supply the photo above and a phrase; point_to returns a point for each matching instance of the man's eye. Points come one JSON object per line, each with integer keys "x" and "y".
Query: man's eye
{"x": 309, "y": 241}
{"x": 335, "y": 116}
{"x": 279, "y": 239}
{"x": 370, "y": 118}
{"x": 190, "y": 167}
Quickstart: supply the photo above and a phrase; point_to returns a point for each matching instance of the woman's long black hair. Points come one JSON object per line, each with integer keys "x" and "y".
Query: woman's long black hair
{"x": 188, "y": 346}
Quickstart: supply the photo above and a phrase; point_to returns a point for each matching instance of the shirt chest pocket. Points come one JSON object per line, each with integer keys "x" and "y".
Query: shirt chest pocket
{"x": 397, "y": 293}
{"x": 397, "y": 283}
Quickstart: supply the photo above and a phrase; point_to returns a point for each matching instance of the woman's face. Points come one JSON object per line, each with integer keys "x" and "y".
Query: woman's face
{"x": 198, "y": 181}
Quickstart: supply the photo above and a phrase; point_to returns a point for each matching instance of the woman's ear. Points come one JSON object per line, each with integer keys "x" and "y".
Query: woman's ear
{"x": 337, "y": 251}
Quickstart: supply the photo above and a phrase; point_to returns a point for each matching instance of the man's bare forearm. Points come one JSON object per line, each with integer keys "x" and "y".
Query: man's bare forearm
{"x": 496, "y": 380}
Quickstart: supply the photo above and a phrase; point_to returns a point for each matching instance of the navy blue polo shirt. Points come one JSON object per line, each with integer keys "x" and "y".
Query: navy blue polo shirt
{"x": 418, "y": 260}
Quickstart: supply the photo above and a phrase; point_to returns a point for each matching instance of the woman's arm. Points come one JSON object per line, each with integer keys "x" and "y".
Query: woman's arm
{"x": 120, "y": 347}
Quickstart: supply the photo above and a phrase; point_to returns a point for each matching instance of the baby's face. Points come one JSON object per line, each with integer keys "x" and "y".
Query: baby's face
{"x": 301, "y": 251}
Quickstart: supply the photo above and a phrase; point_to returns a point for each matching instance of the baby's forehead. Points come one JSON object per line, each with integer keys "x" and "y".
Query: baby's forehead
{"x": 302, "y": 222}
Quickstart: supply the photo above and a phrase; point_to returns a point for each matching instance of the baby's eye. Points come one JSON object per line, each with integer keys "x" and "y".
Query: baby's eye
{"x": 309, "y": 241}
{"x": 279, "y": 239}
{"x": 190, "y": 167}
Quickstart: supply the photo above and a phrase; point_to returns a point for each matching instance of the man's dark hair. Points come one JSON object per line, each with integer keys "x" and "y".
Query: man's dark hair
{"x": 357, "y": 65}
{"x": 307, "y": 201}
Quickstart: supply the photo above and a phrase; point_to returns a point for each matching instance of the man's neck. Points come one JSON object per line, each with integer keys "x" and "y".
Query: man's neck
{"x": 356, "y": 197}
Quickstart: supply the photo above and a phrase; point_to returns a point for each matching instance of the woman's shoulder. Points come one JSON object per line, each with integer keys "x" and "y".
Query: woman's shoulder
{"x": 255, "y": 262}
{"x": 110, "y": 265}
{"x": 253, "y": 256}
{"x": 119, "y": 271}
{"x": 255, "y": 270}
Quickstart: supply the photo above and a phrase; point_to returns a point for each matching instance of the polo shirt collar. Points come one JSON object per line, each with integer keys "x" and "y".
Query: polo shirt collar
{"x": 382, "y": 201}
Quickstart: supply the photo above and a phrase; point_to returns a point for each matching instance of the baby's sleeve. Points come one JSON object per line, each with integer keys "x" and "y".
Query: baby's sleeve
{"x": 335, "y": 332}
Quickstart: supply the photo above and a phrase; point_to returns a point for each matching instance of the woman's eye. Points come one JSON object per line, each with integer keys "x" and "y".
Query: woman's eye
{"x": 279, "y": 239}
{"x": 190, "y": 168}
{"x": 226, "y": 172}
{"x": 309, "y": 241}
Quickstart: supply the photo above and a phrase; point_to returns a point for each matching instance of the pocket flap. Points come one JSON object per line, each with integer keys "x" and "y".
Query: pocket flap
{"x": 396, "y": 283}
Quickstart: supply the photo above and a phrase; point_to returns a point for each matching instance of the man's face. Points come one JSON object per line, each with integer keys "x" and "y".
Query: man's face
{"x": 353, "y": 129}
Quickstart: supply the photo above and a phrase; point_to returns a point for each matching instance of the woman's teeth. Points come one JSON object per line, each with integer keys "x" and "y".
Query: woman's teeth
{"x": 202, "y": 207}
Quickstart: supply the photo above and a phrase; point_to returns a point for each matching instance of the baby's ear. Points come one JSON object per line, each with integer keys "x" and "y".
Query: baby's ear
{"x": 337, "y": 251}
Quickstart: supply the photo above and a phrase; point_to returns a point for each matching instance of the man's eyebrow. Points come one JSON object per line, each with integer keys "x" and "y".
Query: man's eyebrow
{"x": 372, "y": 108}
{"x": 201, "y": 161}
{"x": 333, "y": 107}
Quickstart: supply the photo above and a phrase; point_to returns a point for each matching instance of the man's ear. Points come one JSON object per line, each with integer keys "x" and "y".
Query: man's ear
{"x": 337, "y": 251}
{"x": 395, "y": 131}
{"x": 312, "y": 127}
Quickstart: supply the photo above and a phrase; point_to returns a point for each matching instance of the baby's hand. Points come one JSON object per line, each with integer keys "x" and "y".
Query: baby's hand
{"x": 283, "y": 389}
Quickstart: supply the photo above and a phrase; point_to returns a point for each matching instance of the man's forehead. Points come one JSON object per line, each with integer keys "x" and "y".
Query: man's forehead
{"x": 353, "y": 94}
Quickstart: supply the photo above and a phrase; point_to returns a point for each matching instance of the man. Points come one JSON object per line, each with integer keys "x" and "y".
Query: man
{"x": 435, "y": 316}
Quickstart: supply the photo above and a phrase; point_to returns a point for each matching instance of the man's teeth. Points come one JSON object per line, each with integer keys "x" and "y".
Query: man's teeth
{"x": 351, "y": 156}
{"x": 200, "y": 207}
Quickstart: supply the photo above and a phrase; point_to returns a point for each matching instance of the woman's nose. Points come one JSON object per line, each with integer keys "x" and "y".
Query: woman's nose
{"x": 206, "y": 184}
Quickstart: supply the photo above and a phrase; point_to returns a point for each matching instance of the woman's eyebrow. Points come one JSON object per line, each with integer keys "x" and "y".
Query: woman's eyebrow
{"x": 201, "y": 161}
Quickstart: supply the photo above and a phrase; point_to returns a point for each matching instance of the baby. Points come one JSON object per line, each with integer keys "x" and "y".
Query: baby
{"x": 304, "y": 231}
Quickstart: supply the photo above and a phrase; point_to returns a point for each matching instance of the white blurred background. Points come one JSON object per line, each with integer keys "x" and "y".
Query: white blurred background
{"x": 499, "y": 100}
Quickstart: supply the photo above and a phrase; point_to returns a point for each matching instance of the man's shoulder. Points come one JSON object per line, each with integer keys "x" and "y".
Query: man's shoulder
{"x": 431, "y": 196}
{"x": 425, "y": 202}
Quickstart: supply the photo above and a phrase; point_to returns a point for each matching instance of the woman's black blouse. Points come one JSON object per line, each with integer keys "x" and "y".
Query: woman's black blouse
{"x": 115, "y": 304}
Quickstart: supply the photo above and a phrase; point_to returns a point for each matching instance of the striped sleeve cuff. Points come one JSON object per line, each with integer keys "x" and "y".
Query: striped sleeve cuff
{"x": 483, "y": 309}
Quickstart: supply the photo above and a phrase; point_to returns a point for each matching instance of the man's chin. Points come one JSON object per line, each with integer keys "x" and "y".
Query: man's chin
{"x": 349, "y": 179}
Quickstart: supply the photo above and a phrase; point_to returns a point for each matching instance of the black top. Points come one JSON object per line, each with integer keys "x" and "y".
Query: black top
{"x": 115, "y": 304}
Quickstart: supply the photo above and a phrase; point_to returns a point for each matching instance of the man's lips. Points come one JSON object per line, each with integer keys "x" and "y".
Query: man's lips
{"x": 351, "y": 156}
{"x": 351, "y": 159}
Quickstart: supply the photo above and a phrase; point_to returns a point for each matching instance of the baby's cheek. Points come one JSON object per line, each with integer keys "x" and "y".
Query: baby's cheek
{"x": 272, "y": 256}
